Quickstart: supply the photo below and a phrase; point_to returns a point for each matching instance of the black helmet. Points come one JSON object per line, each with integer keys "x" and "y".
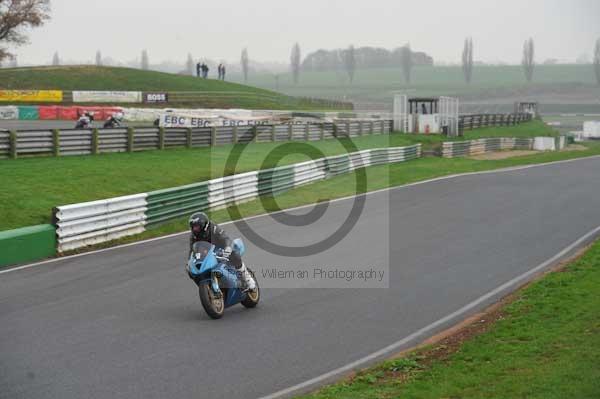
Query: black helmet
{"x": 199, "y": 222}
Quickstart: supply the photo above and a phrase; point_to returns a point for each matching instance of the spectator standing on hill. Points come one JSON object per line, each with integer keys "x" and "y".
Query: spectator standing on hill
{"x": 220, "y": 70}
{"x": 206, "y": 69}
{"x": 223, "y": 72}
{"x": 198, "y": 69}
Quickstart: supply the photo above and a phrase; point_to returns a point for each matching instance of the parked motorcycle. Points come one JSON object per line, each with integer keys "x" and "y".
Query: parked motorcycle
{"x": 219, "y": 284}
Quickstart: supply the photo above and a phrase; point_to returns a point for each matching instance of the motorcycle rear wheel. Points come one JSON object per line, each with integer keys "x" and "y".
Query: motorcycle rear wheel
{"x": 252, "y": 297}
{"x": 213, "y": 306}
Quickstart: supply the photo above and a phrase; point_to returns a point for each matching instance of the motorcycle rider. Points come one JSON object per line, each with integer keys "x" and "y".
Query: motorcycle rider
{"x": 85, "y": 120}
{"x": 202, "y": 229}
{"x": 114, "y": 120}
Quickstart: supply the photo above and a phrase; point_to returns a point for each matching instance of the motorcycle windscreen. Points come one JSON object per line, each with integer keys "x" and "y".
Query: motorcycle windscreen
{"x": 201, "y": 249}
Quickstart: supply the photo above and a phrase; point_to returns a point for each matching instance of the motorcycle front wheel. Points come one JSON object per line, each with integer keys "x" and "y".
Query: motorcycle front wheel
{"x": 252, "y": 297}
{"x": 213, "y": 306}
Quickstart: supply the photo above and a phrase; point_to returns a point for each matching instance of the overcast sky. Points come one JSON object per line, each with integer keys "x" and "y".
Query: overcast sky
{"x": 219, "y": 29}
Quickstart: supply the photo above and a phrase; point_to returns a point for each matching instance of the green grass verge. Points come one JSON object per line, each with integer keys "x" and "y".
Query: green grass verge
{"x": 36, "y": 185}
{"x": 545, "y": 344}
{"x": 215, "y": 93}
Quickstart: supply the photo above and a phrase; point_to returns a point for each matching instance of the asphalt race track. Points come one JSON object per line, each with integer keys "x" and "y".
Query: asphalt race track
{"x": 127, "y": 323}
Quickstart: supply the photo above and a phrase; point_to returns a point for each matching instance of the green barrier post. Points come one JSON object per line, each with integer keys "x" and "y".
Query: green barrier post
{"x": 188, "y": 138}
{"x": 235, "y": 134}
{"x": 56, "y": 142}
{"x": 13, "y": 144}
{"x": 95, "y": 141}
{"x": 213, "y": 136}
{"x": 130, "y": 133}
{"x": 161, "y": 138}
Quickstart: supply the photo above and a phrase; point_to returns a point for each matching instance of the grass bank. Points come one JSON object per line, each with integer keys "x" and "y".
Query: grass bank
{"x": 211, "y": 93}
{"x": 545, "y": 343}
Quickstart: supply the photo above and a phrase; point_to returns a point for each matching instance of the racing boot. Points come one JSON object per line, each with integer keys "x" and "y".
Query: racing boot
{"x": 247, "y": 278}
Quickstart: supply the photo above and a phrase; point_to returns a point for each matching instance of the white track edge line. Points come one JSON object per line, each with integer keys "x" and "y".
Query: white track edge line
{"x": 431, "y": 327}
{"x": 435, "y": 179}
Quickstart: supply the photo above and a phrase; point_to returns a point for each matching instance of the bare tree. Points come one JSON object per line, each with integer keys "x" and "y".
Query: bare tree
{"x": 406, "y": 62}
{"x": 189, "y": 65}
{"x": 349, "y": 59}
{"x": 245, "y": 63}
{"x": 528, "y": 59}
{"x": 145, "y": 60}
{"x": 98, "y": 58}
{"x": 295, "y": 59}
{"x": 467, "y": 59}
{"x": 56, "y": 59}
{"x": 17, "y": 15}
{"x": 597, "y": 61}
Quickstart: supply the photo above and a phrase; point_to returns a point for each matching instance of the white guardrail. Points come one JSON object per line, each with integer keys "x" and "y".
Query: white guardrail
{"x": 90, "y": 223}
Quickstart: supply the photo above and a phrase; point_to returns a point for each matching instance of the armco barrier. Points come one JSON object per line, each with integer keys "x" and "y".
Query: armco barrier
{"x": 476, "y": 121}
{"x": 5, "y": 144}
{"x": 77, "y": 142}
{"x": 90, "y": 223}
{"x": 80, "y": 225}
{"x": 27, "y": 244}
{"x": 451, "y": 149}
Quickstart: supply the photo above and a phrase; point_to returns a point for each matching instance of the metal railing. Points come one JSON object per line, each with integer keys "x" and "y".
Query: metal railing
{"x": 97, "y": 141}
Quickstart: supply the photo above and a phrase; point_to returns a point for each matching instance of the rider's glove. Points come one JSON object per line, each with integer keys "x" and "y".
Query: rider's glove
{"x": 227, "y": 251}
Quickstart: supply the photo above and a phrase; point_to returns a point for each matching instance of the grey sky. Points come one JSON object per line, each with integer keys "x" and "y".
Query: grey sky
{"x": 219, "y": 29}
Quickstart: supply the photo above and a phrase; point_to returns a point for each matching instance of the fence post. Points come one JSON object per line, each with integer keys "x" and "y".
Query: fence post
{"x": 322, "y": 135}
{"x": 161, "y": 138}
{"x": 94, "y": 149}
{"x": 307, "y": 132}
{"x": 290, "y": 132}
{"x": 347, "y": 129}
{"x": 255, "y": 132}
{"x": 371, "y": 127}
{"x": 13, "y": 144}
{"x": 56, "y": 142}
{"x": 235, "y": 134}
{"x": 213, "y": 136}
{"x": 382, "y": 127}
{"x": 273, "y": 133}
{"x": 188, "y": 137}
{"x": 130, "y": 132}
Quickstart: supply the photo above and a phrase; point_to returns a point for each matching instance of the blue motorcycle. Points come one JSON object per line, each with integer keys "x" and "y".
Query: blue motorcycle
{"x": 219, "y": 284}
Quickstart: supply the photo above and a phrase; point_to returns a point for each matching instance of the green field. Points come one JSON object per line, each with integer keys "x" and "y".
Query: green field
{"x": 545, "y": 344}
{"x": 208, "y": 92}
{"x": 36, "y": 185}
{"x": 490, "y": 83}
